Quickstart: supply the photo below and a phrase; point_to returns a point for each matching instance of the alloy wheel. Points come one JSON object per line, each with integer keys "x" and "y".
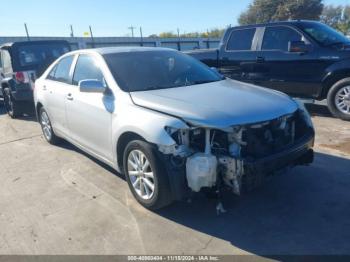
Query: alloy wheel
{"x": 8, "y": 102}
{"x": 46, "y": 125}
{"x": 342, "y": 100}
{"x": 141, "y": 174}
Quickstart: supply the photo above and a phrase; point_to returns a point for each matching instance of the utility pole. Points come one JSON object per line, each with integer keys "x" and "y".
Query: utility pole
{"x": 26, "y": 28}
{"x": 178, "y": 39}
{"x": 208, "y": 39}
{"x": 141, "y": 35}
{"x": 92, "y": 37}
{"x": 71, "y": 31}
{"x": 132, "y": 28}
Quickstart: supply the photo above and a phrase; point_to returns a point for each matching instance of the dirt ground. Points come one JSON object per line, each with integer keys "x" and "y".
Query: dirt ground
{"x": 331, "y": 134}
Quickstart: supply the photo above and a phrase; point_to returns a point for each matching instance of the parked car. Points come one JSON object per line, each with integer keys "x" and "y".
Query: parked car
{"x": 21, "y": 63}
{"x": 304, "y": 59}
{"x": 170, "y": 123}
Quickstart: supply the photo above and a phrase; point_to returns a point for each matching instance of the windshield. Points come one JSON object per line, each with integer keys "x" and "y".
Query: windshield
{"x": 148, "y": 70}
{"x": 38, "y": 55}
{"x": 324, "y": 34}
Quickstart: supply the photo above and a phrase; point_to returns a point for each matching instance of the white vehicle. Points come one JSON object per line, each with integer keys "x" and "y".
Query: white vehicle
{"x": 168, "y": 122}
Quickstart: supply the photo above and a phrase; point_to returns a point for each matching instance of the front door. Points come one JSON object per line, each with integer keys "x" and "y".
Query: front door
{"x": 89, "y": 115}
{"x": 297, "y": 74}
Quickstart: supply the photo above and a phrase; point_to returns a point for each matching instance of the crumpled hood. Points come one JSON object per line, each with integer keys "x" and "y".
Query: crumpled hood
{"x": 219, "y": 104}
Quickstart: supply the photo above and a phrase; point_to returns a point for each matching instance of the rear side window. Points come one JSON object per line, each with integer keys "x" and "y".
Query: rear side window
{"x": 6, "y": 61}
{"x": 278, "y": 38}
{"x": 35, "y": 55}
{"x": 241, "y": 40}
{"x": 86, "y": 69}
{"x": 61, "y": 71}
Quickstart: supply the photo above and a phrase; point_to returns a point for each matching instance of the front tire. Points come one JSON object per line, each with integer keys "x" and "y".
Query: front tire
{"x": 339, "y": 99}
{"x": 47, "y": 129}
{"x": 146, "y": 175}
{"x": 12, "y": 106}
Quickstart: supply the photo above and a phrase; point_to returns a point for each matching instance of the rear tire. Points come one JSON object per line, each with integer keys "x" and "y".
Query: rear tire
{"x": 12, "y": 106}
{"x": 47, "y": 129}
{"x": 339, "y": 99}
{"x": 146, "y": 176}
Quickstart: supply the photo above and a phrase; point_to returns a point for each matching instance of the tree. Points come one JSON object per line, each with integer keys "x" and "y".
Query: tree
{"x": 263, "y": 11}
{"x": 260, "y": 11}
{"x": 214, "y": 33}
{"x": 337, "y": 17}
{"x": 167, "y": 34}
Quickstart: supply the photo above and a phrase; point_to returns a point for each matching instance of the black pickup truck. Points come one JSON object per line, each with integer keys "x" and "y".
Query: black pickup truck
{"x": 304, "y": 59}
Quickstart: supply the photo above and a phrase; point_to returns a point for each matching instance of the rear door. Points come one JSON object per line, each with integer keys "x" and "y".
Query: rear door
{"x": 56, "y": 89}
{"x": 296, "y": 74}
{"x": 89, "y": 115}
{"x": 238, "y": 55}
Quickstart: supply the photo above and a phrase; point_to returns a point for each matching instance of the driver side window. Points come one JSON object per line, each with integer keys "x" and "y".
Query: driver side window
{"x": 278, "y": 38}
{"x": 87, "y": 69}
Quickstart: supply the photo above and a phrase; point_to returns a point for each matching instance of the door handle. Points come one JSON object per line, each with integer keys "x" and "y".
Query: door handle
{"x": 260, "y": 59}
{"x": 70, "y": 97}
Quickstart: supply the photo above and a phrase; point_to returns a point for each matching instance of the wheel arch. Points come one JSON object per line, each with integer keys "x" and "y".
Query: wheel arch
{"x": 4, "y": 84}
{"x": 331, "y": 79}
{"x": 38, "y": 106}
{"x": 123, "y": 140}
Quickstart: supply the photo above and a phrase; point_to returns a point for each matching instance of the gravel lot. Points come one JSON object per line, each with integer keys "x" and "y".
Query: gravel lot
{"x": 58, "y": 200}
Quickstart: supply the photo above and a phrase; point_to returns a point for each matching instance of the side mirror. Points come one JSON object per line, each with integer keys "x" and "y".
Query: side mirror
{"x": 91, "y": 86}
{"x": 297, "y": 47}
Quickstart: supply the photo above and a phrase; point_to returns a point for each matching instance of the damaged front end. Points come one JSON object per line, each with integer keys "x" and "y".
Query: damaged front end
{"x": 239, "y": 157}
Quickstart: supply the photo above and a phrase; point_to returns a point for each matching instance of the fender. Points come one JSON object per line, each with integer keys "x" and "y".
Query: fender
{"x": 10, "y": 82}
{"x": 333, "y": 74}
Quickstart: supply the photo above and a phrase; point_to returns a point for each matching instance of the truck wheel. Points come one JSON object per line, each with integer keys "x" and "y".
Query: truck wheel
{"x": 146, "y": 175}
{"x": 12, "y": 107}
{"x": 339, "y": 99}
{"x": 47, "y": 128}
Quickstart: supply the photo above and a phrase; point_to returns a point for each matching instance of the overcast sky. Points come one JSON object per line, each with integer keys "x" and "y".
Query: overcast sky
{"x": 113, "y": 17}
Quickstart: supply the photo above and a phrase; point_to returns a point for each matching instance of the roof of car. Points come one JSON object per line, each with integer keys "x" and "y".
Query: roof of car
{"x": 10, "y": 44}
{"x": 290, "y": 22}
{"x": 114, "y": 50}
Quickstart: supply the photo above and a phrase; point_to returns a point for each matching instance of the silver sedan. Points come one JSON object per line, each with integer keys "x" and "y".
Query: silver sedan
{"x": 172, "y": 125}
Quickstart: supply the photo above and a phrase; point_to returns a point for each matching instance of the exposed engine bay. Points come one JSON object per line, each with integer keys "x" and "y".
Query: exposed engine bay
{"x": 214, "y": 157}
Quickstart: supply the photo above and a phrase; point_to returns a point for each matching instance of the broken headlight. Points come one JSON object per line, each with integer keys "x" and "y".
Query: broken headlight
{"x": 175, "y": 133}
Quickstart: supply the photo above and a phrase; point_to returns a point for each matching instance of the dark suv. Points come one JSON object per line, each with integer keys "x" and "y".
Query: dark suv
{"x": 20, "y": 64}
{"x": 304, "y": 59}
